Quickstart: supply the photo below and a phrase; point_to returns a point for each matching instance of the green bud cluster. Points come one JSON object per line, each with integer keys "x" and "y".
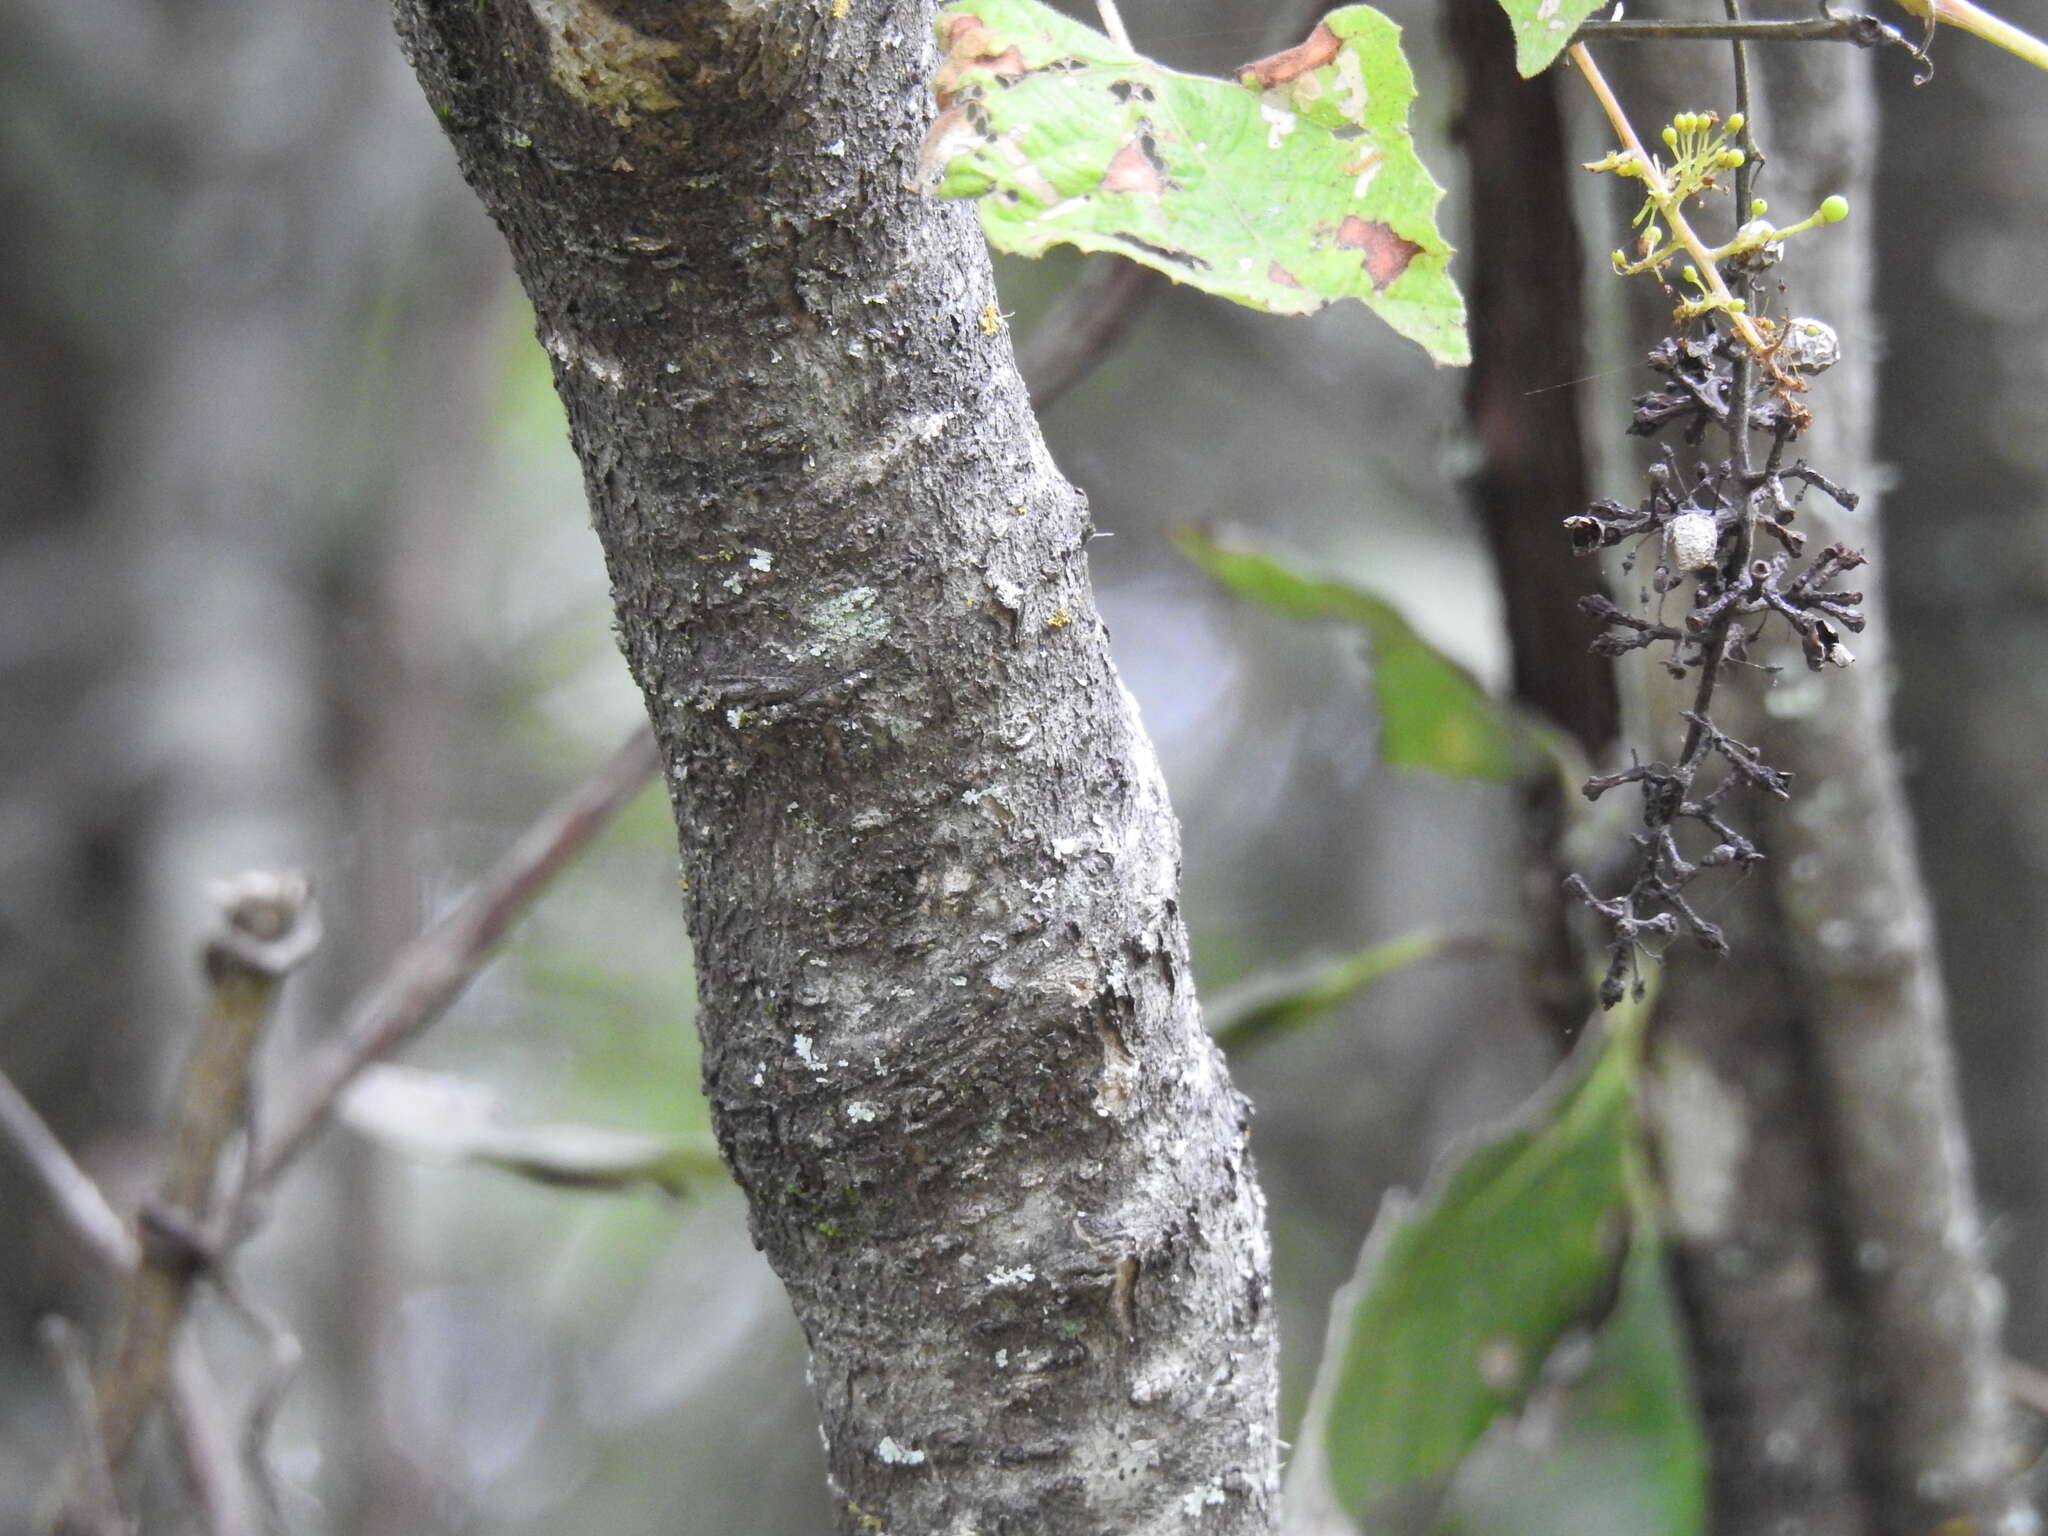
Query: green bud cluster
{"x": 1703, "y": 147}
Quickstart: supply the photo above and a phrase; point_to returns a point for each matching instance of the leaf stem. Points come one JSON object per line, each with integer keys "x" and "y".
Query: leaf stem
{"x": 1113, "y": 25}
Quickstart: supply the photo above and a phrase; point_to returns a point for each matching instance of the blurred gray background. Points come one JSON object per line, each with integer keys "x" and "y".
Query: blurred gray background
{"x": 294, "y": 570}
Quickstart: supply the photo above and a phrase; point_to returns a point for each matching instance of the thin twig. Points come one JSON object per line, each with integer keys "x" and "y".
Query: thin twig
{"x": 92, "y": 1508}
{"x": 70, "y": 1189}
{"x": 1698, "y": 732}
{"x": 1083, "y": 325}
{"x": 283, "y": 1355}
{"x": 267, "y": 927}
{"x": 1836, "y": 27}
{"x": 429, "y": 973}
{"x": 194, "y": 1401}
{"x": 206, "y": 1444}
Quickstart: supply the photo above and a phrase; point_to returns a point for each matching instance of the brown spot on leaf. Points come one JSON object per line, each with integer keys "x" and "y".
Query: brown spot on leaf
{"x": 970, "y": 45}
{"x": 952, "y": 133}
{"x": 1131, "y": 169}
{"x": 1291, "y": 63}
{"x": 1275, "y": 273}
{"x": 1386, "y": 254}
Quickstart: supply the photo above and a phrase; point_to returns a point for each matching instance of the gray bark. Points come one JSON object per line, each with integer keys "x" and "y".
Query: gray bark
{"x": 1964, "y": 419}
{"x": 950, "y": 1039}
{"x": 1752, "y": 1236}
{"x": 1847, "y": 874}
{"x": 1826, "y": 1234}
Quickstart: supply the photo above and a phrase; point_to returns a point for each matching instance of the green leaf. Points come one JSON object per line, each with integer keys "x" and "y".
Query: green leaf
{"x": 1432, "y": 712}
{"x": 1271, "y": 1006}
{"x": 1625, "y": 1452}
{"x": 1543, "y": 28}
{"x": 1466, "y": 1294}
{"x": 1292, "y": 186}
{"x": 441, "y": 1118}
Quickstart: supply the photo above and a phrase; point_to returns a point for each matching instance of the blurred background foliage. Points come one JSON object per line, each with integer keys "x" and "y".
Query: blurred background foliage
{"x": 294, "y": 570}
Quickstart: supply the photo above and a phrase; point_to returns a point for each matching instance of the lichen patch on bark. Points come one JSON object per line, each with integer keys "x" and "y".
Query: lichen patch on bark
{"x": 597, "y": 59}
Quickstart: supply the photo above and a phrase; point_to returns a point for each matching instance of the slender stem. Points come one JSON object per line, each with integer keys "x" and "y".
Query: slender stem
{"x": 1695, "y": 749}
{"x": 1113, "y": 24}
{"x": 1819, "y": 29}
{"x": 429, "y": 973}
{"x": 92, "y": 1507}
{"x": 267, "y": 927}
{"x": 1741, "y": 387}
{"x": 1752, "y": 159}
{"x": 70, "y": 1189}
{"x": 1083, "y": 325}
{"x": 205, "y": 1440}
{"x": 1660, "y": 193}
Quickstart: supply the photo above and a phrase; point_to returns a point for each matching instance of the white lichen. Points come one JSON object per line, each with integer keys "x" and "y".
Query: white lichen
{"x": 606, "y": 370}
{"x": 1194, "y": 1502}
{"x": 846, "y": 623}
{"x": 897, "y": 1455}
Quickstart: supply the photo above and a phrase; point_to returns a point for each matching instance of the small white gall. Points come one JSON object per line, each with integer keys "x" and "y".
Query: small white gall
{"x": 1691, "y": 539}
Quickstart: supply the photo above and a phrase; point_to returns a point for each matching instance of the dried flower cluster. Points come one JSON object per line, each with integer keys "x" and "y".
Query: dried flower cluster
{"x": 1706, "y": 526}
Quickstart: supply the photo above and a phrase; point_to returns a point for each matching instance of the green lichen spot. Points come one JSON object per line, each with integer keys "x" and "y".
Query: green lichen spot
{"x": 602, "y": 62}
{"x": 846, "y": 622}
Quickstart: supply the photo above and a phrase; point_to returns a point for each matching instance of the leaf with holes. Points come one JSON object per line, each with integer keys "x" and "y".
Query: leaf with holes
{"x": 1285, "y": 189}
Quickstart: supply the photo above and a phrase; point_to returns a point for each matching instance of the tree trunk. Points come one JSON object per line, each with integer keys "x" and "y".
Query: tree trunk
{"x": 950, "y": 1039}
{"x": 1825, "y": 1231}
{"x": 1847, "y": 876}
{"x": 1965, "y": 418}
{"x": 1525, "y": 285}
